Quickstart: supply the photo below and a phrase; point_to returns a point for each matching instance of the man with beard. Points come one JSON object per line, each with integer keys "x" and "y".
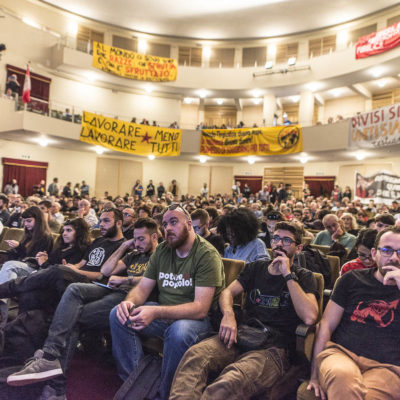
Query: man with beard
{"x": 280, "y": 295}
{"x": 46, "y": 286}
{"x": 356, "y": 352}
{"x": 86, "y": 306}
{"x": 188, "y": 272}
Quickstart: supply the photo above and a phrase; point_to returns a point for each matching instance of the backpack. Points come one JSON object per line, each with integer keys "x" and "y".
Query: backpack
{"x": 143, "y": 382}
{"x": 25, "y": 334}
{"x": 314, "y": 260}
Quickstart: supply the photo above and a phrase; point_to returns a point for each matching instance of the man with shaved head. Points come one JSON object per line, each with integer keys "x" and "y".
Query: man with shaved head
{"x": 334, "y": 232}
{"x": 189, "y": 274}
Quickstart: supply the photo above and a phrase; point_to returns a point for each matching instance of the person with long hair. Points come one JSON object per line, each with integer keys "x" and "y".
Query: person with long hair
{"x": 21, "y": 258}
{"x": 349, "y": 223}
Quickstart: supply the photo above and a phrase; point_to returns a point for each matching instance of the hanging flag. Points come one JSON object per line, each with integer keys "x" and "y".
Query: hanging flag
{"x": 26, "y": 93}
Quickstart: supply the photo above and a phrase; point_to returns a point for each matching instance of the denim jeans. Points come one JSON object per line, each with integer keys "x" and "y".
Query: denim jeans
{"x": 11, "y": 270}
{"x": 178, "y": 336}
{"x": 81, "y": 303}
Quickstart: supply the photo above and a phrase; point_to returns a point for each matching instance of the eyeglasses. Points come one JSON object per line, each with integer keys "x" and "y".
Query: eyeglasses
{"x": 286, "y": 241}
{"x": 388, "y": 251}
{"x": 274, "y": 217}
{"x": 381, "y": 225}
{"x": 125, "y": 214}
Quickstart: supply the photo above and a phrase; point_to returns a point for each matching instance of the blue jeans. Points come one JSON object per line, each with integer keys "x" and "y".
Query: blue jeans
{"x": 81, "y": 304}
{"x": 11, "y": 270}
{"x": 178, "y": 336}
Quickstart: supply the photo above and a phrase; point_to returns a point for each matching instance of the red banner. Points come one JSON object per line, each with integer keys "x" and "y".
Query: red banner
{"x": 378, "y": 42}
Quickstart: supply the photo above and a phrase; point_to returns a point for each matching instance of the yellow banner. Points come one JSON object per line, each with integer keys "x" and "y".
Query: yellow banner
{"x": 252, "y": 141}
{"x": 129, "y": 64}
{"x": 131, "y": 138}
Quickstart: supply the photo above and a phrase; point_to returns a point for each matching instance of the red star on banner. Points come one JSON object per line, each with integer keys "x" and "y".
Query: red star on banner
{"x": 146, "y": 138}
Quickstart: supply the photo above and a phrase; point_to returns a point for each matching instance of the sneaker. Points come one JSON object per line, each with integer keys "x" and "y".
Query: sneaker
{"x": 36, "y": 370}
{"x": 50, "y": 393}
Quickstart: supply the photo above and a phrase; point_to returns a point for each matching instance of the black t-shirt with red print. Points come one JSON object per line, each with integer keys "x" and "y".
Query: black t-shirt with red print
{"x": 370, "y": 326}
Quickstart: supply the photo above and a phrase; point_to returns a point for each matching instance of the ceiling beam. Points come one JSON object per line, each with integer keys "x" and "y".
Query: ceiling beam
{"x": 238, "y": 104}
{"x": 361, "y": 89}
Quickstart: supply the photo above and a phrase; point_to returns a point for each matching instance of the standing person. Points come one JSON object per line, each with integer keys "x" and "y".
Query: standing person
{"x": 67, "y": 192}
{"x": 281, "y": 296}
{"x": 37, "y": 238}
{"x": 137, "y": 189}
{"x": 246, "y": 191}
{"x": 150, "y": 189}
{"x": 11, "y": 188}
{"x": 53, "y": 188}
{"x": 84, "y": 189}
{"x": 356, "y": 351}
{"x": 4, "y": 213}
{"x": 236, "y": 189}
{"x": 160, "y": 190}
{"x": 77, "y": 190}
{"x": 204, "y": 191}
{"x": 347, "y": 193}
{"x": 189, "y": 274}
{"x": 173, "y": 187}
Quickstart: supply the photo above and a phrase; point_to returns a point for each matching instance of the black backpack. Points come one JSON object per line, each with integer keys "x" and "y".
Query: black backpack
{"x": 314, "y": 260}
{"x": 25, "y": 334}
{"x": 143, "y": 383}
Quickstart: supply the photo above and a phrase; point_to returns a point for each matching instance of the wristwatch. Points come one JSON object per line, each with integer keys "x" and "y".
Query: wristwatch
{"x": 291, "y": 276}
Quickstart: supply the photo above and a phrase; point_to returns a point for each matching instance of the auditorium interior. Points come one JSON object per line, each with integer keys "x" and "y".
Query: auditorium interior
{"x": 232, "y": 67}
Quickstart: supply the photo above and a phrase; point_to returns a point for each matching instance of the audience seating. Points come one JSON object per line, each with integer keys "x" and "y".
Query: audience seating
{"x": 11, "y": 234}
{"x": 306, "y": 240}
{"x": 334, "y": 262}
{"x": 3, "y": 232}
{"x": 323, "y": 249}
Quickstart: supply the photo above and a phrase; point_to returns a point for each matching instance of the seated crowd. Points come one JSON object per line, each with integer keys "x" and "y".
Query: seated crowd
{"x": 152, "y": 264}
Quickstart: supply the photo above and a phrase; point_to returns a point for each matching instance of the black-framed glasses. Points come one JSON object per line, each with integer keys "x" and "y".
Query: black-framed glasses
{"x": 388, "y": 251}
{"x": 286, "y": 241}
{"x": 273, "y": 217}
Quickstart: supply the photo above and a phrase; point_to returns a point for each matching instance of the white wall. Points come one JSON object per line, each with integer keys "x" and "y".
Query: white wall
{"x": 345, "y": 106}
{"x": 66, "y": 165}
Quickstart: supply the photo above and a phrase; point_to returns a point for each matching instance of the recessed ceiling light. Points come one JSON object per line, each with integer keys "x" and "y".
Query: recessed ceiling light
{"x": 219, "y": 101}
{"x": 257, "y": 101}
{"x": 377, "y": 72}
{"x": 381, "y": 83}
{"x": 148, "y": 89}
{"x": 142, "y": 46}
{"x": 187, "y": 100}
{"x": 251, "y": 160}
{"x": 269, "y": 65}
{"x": 207, "y": 51}
{"x": 256, "y": 92}
{"x": 99, "y": 150}
{"x": 202, "y": 93}
{"x": 72, "y": 28}
{"x": 313, "y": 86}
{"x": 295, "y": 99}
{"x": 203, "y": 159}
{"x": 292, "y": 61}
{"x": 151, "y": 156}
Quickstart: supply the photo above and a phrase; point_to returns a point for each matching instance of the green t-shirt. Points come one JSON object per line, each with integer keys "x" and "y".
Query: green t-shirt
{"x": 177, "y": 277}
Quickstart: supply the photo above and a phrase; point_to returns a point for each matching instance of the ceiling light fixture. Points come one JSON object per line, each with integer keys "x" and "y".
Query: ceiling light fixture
{"x": 291, "y": 61}
{"x": 142, "y": 46}
{"x": 219, "y": 101}
{"x": 256, "y": 92}
{"x": 72, "y": 28}
{"x": 148, "y": 89}
{"x": 251, "y": 160}
{"x": 187, "y": 100}
{"x": 43, "y": 142}
{"x": 303, "y": 158}
{"x": 202, "y": 93}
{"x": 269, "y": 65}
{"x": 360, "y": 155}
{"x": 151, "y": 157}
{"x": 202, "y": 159}
{"x": 99, "y": 150}
{"x": 257, "y": 101}
{"x": 206, "y": 51}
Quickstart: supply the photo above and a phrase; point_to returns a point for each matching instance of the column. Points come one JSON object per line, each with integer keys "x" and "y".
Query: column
{"x": 269, "y": 109}
{"x": 306, "y": 108}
